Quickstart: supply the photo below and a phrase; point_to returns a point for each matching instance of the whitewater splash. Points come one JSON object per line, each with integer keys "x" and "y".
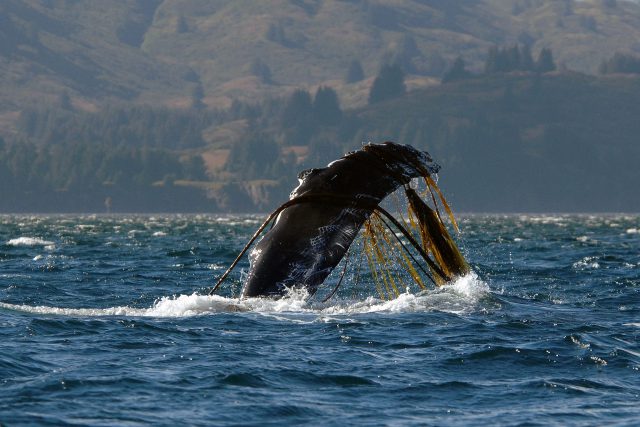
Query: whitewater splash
{"x": 29, "y": 241}
{"x": 459, "y": 297}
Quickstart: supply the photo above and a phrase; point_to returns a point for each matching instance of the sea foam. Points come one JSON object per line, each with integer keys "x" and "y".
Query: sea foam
{"x": 29, "y": 241}
{"x": 459, "y": 297}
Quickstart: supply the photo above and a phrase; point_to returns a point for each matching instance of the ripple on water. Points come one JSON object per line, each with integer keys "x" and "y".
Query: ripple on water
{"x": 122, "y": 331}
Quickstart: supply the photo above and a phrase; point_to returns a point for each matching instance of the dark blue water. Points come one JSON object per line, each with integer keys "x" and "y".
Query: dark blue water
{"x": 103, "y": 322}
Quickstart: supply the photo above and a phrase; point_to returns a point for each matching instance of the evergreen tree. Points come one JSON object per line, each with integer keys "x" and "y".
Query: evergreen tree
{"x": 621, "y": 63}
{"x": 64, "y": 101}
{"x": 354, "y": 72}
{"x": 253, "y": 157}
{"x": 197, "y": 95}
{"x": 261, "y": 70}
{"x": 275, "y": 33}
{"x": 545, "y": 61}
{"x": 326, "y": 106}
{"x": 297, "y": 118}
{"x": 505, "y": 60}
{"x": 388, "y": 84}
{"x": 456, "y": 72}
{"x": 193, "y": 168}
{"x": 181, "y": 25}
{"x": 513, "y": 58}
{"x": 404, "y": 54}
{"x": 298, "y": 108}
{"x": 492, "y": 65}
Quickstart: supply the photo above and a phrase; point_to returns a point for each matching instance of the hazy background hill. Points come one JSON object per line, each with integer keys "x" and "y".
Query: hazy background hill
{"x": 192, "y": 105}
{"x": 161, "y": 52}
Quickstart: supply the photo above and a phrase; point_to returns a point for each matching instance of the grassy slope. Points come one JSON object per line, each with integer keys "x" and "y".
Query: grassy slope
{"x": 143, "y": 50}
{"x": 78, "y": 49}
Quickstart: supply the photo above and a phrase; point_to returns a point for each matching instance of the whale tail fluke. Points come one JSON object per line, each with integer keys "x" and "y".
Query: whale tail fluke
{"x": 314, "y": 230}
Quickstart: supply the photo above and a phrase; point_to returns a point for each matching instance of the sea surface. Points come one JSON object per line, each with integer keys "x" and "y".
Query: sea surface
{"x": 105, "y": 320}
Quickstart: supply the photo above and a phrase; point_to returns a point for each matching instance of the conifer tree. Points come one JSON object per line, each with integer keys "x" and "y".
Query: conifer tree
{"x": 354, "y": 73}
{"x": 298, "y": 108}
{"x": 491, "y": 65}
{"x": 388, "y": 84}
{"x": 545, "y": 61}
{"x": 621, "y": 63}
{"x": 197, "y": 95}
{"x": 326, "y": 106}
{"x": 260, "y": 70}
{"x": 456, "y": 72}
{"x": 513, "y": 59}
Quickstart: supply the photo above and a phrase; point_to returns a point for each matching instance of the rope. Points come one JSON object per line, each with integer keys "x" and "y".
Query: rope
{"x": 335, "y": 200}
{"x": 344, "y": 270}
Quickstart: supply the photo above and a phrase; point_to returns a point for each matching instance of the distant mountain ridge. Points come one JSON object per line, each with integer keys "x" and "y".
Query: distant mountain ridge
{"x": 175, "y": 53}
{"x": 189, "y": 105}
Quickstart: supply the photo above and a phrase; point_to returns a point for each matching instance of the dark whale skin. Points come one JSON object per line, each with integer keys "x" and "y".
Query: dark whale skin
{"x": 309, "y": 239}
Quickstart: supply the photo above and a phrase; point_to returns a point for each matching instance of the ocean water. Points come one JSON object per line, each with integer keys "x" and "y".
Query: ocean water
{"x": 104, "y": 320}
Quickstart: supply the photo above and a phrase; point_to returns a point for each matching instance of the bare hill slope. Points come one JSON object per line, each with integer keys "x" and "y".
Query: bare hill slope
{"x": 177, "y": 52}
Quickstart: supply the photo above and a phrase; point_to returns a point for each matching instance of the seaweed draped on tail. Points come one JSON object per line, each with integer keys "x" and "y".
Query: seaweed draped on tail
{"x": 314, "y": 230}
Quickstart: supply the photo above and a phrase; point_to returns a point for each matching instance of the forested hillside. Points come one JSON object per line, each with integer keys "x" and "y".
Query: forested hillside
{"x": 518, "y": 141}
{"x": 521, "y": 141}
{"x": 182, "y": 105}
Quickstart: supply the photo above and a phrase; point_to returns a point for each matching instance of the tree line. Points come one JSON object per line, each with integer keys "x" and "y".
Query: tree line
{"x": 621, "y": 63}
{"x": 71, "y": 166}
{"x": 508, "y": 59}
{"x": 505, "y": 59}
{"x": 139, "y": 126}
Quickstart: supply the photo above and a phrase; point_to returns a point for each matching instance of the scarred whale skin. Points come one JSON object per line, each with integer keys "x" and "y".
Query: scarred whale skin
{"x": 309, "y": 239}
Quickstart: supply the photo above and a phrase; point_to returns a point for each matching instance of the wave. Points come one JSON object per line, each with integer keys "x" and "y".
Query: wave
{"x": 461, "y": 296}
{"x": 29, "y": 241}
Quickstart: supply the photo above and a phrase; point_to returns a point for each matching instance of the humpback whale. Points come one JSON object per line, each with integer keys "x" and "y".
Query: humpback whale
{"x": 311, "y": 232}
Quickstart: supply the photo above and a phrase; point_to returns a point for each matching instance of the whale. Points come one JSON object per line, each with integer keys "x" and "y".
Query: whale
{"x": 311, "y": 232}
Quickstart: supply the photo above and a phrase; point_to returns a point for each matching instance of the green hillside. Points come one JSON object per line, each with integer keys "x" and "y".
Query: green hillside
{"x": 520, "y": 141}
{"x": 172, "y": 52}
{"x": 186, "y": 105}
